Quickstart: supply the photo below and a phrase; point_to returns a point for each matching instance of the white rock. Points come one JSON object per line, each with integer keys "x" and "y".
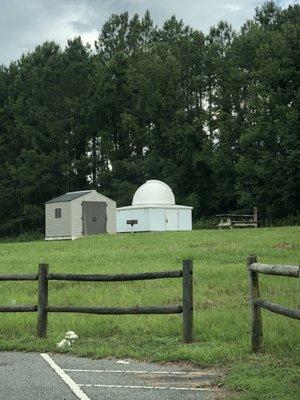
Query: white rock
{"x": 63, "y": 344}
{"x": 71, "y": 335}
{"x": 122, "y": 362}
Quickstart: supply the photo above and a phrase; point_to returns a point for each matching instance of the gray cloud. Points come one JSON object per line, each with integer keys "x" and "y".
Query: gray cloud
{"x": 27, "y": 23}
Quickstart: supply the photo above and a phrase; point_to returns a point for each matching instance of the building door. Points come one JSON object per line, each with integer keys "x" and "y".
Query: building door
{"x": 93, "y": 217}
{"x": 171, "y": 220}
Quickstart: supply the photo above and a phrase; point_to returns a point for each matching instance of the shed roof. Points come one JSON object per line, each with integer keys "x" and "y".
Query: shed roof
{"x": 69, "y": 196}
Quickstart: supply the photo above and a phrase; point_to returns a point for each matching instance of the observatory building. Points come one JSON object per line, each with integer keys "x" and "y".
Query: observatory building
{"x": 153, "y": 209}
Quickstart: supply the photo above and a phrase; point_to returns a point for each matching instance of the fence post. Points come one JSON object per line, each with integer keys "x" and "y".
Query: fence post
{"x": 42, "y": 300}
{"x": 187, "y": 300}
{"x": 255, "y": 213}
{"x": 256, "y": 321}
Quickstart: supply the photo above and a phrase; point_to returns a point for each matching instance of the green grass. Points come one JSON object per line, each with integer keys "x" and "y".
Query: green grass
{"x": 222, "y": 318}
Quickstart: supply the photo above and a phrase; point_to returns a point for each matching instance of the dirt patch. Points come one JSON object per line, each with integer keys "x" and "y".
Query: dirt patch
{"x": 284, "y": 245}
{"x": 210, "y": 304}
{"x": 193, "y": 377}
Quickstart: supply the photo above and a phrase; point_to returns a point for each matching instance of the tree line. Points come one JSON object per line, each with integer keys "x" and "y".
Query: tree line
{"x": 216, "y": 116}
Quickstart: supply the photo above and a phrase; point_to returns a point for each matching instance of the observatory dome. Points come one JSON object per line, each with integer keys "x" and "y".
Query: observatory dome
{"x": 153, "y": 193}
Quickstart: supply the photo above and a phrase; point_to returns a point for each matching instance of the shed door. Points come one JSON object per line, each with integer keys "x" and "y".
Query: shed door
{"x": 93, "y": 217}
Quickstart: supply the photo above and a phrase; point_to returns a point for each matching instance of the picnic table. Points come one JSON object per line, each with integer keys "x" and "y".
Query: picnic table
{"x": 238, "y": 220}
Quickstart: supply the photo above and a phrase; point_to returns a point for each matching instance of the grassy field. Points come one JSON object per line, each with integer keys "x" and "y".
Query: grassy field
{"x": 222, "y": 318}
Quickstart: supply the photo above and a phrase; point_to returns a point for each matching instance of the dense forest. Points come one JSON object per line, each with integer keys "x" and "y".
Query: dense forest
{"x": 216, "y": 116}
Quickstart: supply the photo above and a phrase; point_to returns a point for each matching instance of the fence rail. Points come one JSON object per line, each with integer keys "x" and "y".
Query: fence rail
{"x": 5, "y": 309}
{"x": 115, "y": 278}
{"x": 42, "y": 308}
{"x": 173, "y": 309}
{"x": 31, "y": 277}
{"x": 277, "y": 308}
{"x": 282, "y": 270}
{"x": 256, "y": 303}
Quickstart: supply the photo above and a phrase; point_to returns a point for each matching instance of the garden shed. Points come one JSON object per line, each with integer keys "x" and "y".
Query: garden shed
{"x": 153, "y": 209}
{"x": 77, "y": 214}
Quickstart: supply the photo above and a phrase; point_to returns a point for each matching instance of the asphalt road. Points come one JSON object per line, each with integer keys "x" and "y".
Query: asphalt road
{"x": 34, "y": 376}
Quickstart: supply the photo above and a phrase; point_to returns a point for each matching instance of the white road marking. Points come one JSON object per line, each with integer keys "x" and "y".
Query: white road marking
{"x": 142, "y": 387}
{"x": 119, "y": 371}
{"x": 65, "y": 377}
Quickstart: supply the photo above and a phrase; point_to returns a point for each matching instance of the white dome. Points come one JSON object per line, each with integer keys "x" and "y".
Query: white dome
{"x": 153, "y": 193}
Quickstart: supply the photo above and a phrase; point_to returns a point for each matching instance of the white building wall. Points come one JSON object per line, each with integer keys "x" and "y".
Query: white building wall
{"x": 139, "y": 214}
{"x": 157, "y": 220}
{"x": 154, "y": 219}
{"x": 58, "y": 227}
{"x": 184, "y": 220}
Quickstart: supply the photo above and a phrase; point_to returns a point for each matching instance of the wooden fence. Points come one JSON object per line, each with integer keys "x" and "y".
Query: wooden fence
{"x": 42, "y": 308}
{"x": 256, "y": 303}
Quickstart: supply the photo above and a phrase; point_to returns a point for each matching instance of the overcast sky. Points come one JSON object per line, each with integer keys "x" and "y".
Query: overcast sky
{"x": 27, "y": 23}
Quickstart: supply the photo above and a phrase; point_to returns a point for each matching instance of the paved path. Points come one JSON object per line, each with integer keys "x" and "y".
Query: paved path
{"x": 34, "y": 376}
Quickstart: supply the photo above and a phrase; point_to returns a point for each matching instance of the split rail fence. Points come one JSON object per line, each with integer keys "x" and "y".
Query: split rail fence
{"x": 42, "y": 308}
{"x": 256, "y": 303}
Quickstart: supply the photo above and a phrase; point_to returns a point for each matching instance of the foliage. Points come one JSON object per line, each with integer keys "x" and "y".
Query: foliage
{"x": 23, "y": 237}
{"x": 215, "y": 116}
